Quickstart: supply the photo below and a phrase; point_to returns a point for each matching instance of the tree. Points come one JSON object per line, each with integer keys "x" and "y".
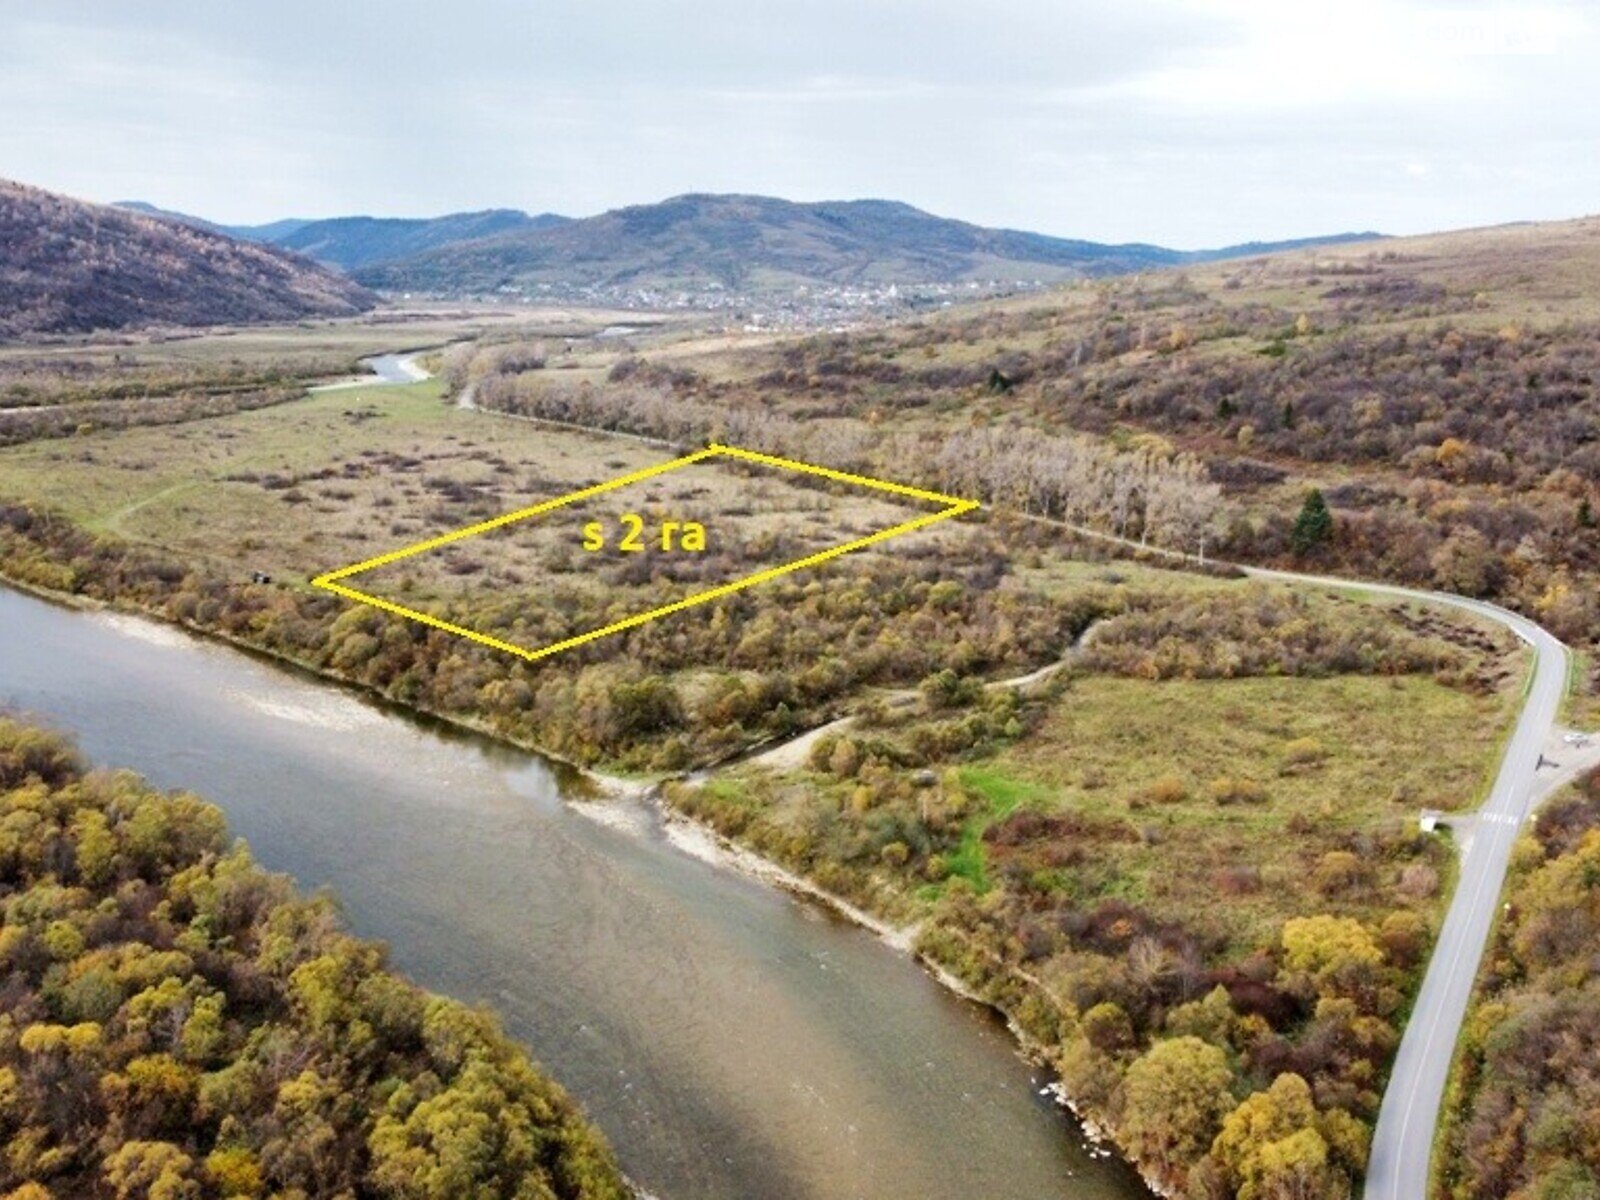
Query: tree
{"x": 1339, "y": 957}
{"x": 1313, "y": 528}
{"x": 1276, "y": 1146}
{"x": 1320, "y": 945}
{"x": 1297, "y": 1168}
{"x": 156, "y": 1170}
{"x": 1174, "y": 1099}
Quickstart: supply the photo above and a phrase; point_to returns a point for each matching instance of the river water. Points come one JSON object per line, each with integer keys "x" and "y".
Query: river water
{"x": 730, "y": 1040}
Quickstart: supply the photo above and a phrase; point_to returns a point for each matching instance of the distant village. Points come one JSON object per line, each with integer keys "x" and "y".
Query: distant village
{"x": 815, "y": 306}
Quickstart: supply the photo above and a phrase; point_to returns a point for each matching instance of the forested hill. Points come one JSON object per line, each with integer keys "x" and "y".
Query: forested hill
{"x": 178, "y": 1023}
{"x": 350, "y": 243}
{"x": 755, "y": 242}
{"x": 72, "y": 267}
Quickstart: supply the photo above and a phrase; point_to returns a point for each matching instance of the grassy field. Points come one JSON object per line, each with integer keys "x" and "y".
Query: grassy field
{"x": 1254, "y": 775}
{"x": 1582, "y": 707}
{"x": 1184, "y": 789}
{"x": 340, "y": 476}
{"x": 344, "y": 475}
{"x": 137, "y": 366}
{"x": 1119, "y": 861}
{"x": 1001, "y": 795}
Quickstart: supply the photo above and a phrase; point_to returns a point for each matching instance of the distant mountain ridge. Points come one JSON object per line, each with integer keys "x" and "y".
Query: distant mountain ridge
{"x": 272, "y": 231}
{"x": 71, "y": 267}
{"x": 350, "y": 243}
{"x": 705, "y": 241}
{"x": 754, "y": 243}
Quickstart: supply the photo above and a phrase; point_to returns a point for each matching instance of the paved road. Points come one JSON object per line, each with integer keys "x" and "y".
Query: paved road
{"x": 1402, "y": 1143}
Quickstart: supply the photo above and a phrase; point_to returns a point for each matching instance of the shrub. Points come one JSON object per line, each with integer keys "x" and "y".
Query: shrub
{"x": 1304, "y": 752}
{"x": 1337, "y": 872}
{"x": 1229, "y": 789}
{"x": 1169, "y": 789}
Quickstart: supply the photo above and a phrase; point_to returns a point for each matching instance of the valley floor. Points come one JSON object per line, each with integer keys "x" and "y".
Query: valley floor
{"x": 1187, "y": 859}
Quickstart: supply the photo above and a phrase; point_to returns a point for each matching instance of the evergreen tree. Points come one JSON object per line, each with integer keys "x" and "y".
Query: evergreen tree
{"x": 1314, "y": 526}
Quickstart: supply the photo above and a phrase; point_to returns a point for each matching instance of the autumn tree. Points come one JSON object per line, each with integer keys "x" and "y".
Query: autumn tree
{"x": 1174, "y": 1099}
{"x": 179, "y": 1024}
{"x": 1276, "y": 1145}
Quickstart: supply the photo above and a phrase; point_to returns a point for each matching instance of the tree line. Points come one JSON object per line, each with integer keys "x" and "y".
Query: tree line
{"x": 1521, "y": 1113}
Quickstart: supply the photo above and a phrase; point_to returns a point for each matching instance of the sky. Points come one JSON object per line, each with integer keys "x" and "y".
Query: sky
{"x": 1190, "y": 123}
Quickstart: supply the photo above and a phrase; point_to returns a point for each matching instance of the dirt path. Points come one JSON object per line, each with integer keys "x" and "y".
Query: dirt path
{"x": 795, "y": 752}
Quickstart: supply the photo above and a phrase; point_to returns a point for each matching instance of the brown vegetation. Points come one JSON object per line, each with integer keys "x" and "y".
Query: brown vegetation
{"x": 760, "y": 663}
{"x": 71, "y": 267}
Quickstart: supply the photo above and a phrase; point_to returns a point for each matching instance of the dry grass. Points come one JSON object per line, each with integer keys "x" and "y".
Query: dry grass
{"x": 342, "y": 476}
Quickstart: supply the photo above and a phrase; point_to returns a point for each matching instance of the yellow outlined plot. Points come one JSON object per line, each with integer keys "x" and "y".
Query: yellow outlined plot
{"x": 954, "y": 507}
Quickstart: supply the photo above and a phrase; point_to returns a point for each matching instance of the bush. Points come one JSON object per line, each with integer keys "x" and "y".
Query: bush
{"x": 1230, "y": 789}
{"x": 1169, "y": 789}
{"x": 1304, "y": 752}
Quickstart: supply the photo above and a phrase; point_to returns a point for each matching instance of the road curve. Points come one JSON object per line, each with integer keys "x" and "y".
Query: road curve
{"x": 1402, "y": 1143}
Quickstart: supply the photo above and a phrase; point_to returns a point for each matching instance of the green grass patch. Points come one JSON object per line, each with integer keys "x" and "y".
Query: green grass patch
{"x": 1581, "y": 707}
{"x": 1004, "y": 794}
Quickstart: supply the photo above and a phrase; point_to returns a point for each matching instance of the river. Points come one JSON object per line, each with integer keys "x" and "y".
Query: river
{"x": 731, "y": 1040}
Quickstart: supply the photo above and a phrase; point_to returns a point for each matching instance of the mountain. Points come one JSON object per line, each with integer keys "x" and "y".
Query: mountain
{"x": 272, "y": 231}
{"x": 70, "y": 267}
{"x": 351, "y": 243}
{"x": 757, "y": 242}
{"x": 1251, "y": 249}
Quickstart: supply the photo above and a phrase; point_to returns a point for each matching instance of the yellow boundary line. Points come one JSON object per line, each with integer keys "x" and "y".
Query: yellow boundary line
{"x": 955, "y": 507}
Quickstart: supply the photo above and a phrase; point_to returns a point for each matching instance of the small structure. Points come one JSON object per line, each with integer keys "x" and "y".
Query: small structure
{"x": 1429, "y": 820}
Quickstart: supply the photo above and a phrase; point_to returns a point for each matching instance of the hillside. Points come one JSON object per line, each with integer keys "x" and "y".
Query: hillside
{"x": 272, "y": 231}
{"x": 72, "y": 267}
{"x": 1442, "y": 392}
{"x": 350, "y": 243}
{"x": 755, "y": 242}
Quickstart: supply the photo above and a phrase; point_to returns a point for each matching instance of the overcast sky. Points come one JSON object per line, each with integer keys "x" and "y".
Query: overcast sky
{"x": 1186, "y": 122}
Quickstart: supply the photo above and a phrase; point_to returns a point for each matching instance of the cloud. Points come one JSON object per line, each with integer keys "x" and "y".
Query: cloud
{"x": 1359, "y": 52}
{"x": 1185, "y": 121}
